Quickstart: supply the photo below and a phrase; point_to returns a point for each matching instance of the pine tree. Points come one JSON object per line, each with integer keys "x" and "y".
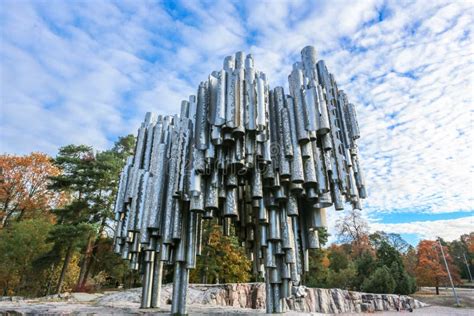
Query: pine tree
{"x": 381, "y": 281}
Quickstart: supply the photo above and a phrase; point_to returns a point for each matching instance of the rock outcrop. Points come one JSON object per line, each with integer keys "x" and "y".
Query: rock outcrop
{"x": 252, "y": 295}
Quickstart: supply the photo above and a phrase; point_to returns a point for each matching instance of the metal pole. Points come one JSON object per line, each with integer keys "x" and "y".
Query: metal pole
{"x": 467, "y": 266}
{"x": 449, "y": 273}
{"x": 157, "y": 276}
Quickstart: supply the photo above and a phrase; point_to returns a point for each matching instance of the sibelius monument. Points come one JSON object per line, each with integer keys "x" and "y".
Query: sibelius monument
{"x": 257, "y": 159}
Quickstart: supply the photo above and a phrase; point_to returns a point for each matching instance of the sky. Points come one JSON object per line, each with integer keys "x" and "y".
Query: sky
{"x": 86, "y": 72}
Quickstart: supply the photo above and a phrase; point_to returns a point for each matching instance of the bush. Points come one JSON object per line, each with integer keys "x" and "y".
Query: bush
{"x": 344, "y": 279}
{"x": 381, "y": 281}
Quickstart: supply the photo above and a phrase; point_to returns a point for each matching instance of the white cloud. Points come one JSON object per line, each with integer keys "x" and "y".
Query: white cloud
{"x": 86, "y": 72}
{"x": 449, "y": 229}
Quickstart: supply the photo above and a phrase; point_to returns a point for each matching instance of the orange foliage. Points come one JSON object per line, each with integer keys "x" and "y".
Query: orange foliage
{"x": 362, "y": 245}
{"x": 24, "y": 187}
{"x": 325, "y": 261}
{"x": 430, "y": 269}
{"x": 469, "y": 240}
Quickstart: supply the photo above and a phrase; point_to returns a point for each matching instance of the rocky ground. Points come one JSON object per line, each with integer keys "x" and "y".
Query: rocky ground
{"x": 229, "y": 299}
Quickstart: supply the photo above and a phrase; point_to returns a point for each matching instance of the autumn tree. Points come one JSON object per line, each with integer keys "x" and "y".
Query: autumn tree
{"x": 24, "y": 190}
{"x": 468, "y": 240}
{"x": 223, "y": 260}
{"x": 430, "y": 269}
{"x": 353, "y": 229}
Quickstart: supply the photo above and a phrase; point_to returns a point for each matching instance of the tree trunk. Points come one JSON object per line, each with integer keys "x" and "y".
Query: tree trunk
{"x": 64, "y": 269}
{"x": 85, "y": 264}
{"x": 4, "y": 220}
{"x": 20, "y": 216}
{"x": 47, "y": 288}
{"x": 93, "y": 251}
{"x": 5, "y": 288}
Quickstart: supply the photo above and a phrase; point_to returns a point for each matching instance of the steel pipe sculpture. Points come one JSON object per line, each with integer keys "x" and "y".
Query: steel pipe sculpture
{"x": 255, "y": 158}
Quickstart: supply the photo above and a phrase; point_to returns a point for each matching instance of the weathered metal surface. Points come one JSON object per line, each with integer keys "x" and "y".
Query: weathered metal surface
{"x": 266, "y": 162}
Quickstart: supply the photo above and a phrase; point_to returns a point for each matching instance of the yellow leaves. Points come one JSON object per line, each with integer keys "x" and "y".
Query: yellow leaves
{"x": 72, "y": 273}
{"x": 223, "y": 260}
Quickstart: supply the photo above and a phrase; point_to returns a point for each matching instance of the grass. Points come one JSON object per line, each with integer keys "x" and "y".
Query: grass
{"x": 446, "y": 298}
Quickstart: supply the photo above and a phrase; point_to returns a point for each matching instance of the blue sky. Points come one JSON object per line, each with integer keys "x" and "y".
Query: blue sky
{"x": 87, "y": 71}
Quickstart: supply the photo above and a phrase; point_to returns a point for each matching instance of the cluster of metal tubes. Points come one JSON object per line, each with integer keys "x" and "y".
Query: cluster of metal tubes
{"x": 262, "y": 161}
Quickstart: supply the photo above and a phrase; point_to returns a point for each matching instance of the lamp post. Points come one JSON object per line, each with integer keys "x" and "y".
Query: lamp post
{"x": 467, "y": 266}
{"x": 449, "y": 273}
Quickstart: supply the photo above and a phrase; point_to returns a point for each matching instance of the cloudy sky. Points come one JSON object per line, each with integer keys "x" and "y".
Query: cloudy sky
{"x": 85, "y": 72}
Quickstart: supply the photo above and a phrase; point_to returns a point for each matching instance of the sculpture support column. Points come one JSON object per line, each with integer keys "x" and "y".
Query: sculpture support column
{"x": 180, "y": 288}
{"x": 157, "y": 277}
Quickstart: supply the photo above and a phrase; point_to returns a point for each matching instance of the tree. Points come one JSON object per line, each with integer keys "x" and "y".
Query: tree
{"x": 318, "y": 267}
{"x": 468, "y": 239}
{"x": 338, "y": 260}
{"x": 459, "y": 251}
{"x": 381, "y": 281}
{"x": 223, "y": 260}
{"x": 91, "y": 181}
{"x": 343, "y": 278}
{"x": 20, "y": 244}
{"x": 353, "y": 229}
{"x": 405, "y": 284}
{"x": 107, "y": 264}
{"x": 430, "y": 270}
{"x": 387, "y": 255}
{"x": 410, "y": 261}
{"x": 24, "y": 187}
{"x": 108, "y": 165}
{"x": 394, "y": 240}
{"x": 365, "y": 265}
{"x": 78, "y": 181}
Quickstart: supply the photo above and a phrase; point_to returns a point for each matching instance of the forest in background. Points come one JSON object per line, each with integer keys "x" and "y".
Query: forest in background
{"x": 57, "y": 224}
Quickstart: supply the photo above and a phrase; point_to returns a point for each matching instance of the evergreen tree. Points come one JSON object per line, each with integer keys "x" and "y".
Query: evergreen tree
{"x": 365, "y": 266}
{"x": 338, "y": 259}
{"x": 343, "y": 278}
{"x": 380, "y": 281}
{"x": 74, "y": 219}
{"x": 90, "y": 180}
{"x": 20, "y": 244}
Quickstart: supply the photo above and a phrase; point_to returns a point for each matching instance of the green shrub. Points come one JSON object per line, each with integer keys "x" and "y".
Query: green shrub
{"x": 381, "y": 281}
